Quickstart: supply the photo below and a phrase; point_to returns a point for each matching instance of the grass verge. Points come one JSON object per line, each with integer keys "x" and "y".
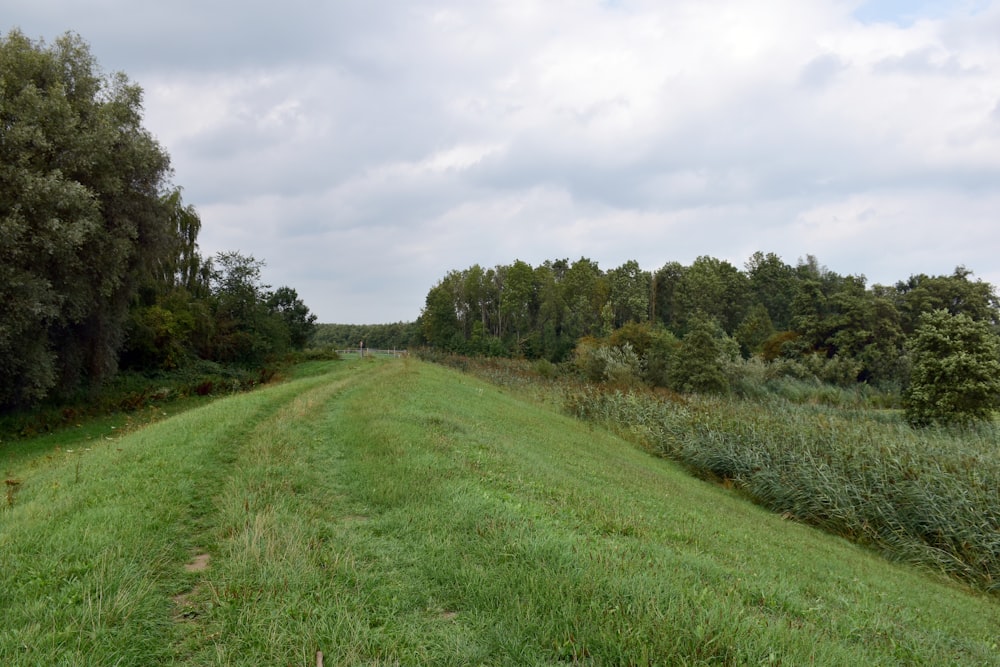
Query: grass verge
{"x": 401, "y": 513}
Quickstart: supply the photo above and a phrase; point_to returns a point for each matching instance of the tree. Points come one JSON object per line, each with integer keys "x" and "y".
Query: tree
{"x": 629, "y": 288}
{"x": 81, "y": 215}
{"x": 772, "y": 284}
{"x": 955, "y": 293}
{"x": 246, "y": 331}
{"x": 664, "y": 304}
{"x": 956, "y": 370}
{"x": 294, "y": 314}
{"x": 714, "y": 288}
{"x": 170, "y": 321}
{"x": 698, "y": 366}
{"x": 584, "y": 293}
{"x": 754, "y": 330}
{"x": 517, "y": 301}
{"x": 439, "y": 322}
{"x": 182, "y": 266}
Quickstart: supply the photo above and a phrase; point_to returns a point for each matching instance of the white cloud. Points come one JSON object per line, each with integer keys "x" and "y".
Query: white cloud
{"x": 365, "y": 150}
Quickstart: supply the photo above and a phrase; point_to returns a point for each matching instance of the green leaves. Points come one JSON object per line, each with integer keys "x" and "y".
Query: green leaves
{"x": 88, "y": 223}
{"x": 956, "y": 370}
{"x": 80, "y": 214}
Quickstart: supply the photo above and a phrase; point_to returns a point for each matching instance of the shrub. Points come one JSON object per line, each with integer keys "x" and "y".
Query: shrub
{"x": 956, "y": 371}
{"x": 698, "y": 365}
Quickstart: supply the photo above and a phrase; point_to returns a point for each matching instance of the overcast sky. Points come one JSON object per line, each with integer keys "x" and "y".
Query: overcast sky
{"x": 365, "y": 148}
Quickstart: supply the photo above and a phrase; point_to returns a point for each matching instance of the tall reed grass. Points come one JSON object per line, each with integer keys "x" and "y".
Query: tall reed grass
{"x": 817, "y": 454}
{"x": 929, "y": 497}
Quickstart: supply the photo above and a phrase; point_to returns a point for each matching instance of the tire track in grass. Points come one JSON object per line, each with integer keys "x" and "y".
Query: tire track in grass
{"x": 271, "y": 534}
{"x": 95, "y": 547}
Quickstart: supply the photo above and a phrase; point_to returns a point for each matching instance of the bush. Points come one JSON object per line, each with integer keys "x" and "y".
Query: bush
{"x": 600, "y": 362}
{"x": 699, "y": 364}
{"x": 956, "y": 371}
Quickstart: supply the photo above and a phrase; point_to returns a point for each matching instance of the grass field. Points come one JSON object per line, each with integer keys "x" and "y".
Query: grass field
{"x": 400, "y": 513}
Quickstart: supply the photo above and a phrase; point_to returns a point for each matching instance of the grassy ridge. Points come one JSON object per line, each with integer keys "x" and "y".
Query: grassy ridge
{"x": 401, "y": 513}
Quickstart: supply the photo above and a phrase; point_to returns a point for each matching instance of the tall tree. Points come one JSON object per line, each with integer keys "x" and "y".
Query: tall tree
{"x": 439, "y": 321}
{"x": 245, "y": 331}
{"x": 772, "y": 284}
{"x": 713, "y": 288}
{"x": 517, "y": 301}
{"x": 294, "y": 314}
{"x": 81, "y": 214}
{"x": 666, "y": 282}
{"x": 957, "y": 294}
{"x": 584, "y": 294}
{"x": 629, "y": 288}
{"x": 182, "y": 265}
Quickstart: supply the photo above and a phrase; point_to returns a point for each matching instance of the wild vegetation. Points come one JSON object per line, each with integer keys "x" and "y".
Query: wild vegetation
{"x": 391, "y": 513}
{"x": 685, "y": 327}
{"x": 395, "y": 336}
{"x": 99, "y": 266}
{"x": 396, "y": 512}
{"x": 810, "y": 452}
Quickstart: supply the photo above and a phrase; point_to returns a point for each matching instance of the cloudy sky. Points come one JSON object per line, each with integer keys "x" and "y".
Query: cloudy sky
{"x": 364, "y": 148}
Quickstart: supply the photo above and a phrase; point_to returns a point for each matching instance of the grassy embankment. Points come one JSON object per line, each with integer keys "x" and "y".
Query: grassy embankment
{"x": 401, "y": 513}
{"x": 823, "y": 455}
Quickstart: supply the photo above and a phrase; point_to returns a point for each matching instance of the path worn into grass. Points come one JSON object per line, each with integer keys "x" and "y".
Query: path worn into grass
{"x": 398, "y": 513}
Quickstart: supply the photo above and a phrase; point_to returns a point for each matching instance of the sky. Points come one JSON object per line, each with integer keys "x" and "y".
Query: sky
{"x": 365, "y": 148}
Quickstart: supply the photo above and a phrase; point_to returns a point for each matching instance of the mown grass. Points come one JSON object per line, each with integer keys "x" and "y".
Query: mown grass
{"x": 399, "y": 513}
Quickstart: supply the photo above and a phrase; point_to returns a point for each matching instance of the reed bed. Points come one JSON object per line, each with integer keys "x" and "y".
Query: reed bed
{"x": 929, "y": 497}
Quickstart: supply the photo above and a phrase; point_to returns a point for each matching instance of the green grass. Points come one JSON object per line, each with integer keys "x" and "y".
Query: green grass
{"x": 927, "y": 496}
{"x": 400, "y": 513}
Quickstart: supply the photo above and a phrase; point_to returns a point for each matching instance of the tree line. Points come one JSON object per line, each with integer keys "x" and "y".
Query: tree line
{"x": 392, "y": 336}
{"x": 676, "y": 326}
{"x": 99, "y": 265}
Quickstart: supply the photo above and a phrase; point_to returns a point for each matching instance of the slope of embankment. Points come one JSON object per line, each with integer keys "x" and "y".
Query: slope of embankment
{"x": 394, "y": 512}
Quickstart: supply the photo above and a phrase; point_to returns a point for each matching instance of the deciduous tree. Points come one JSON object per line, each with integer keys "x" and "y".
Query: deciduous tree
{"x": 956, "y": 370}
{"x": 81, "y": 214}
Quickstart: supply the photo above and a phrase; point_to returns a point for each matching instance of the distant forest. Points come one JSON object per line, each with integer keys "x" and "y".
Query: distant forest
{"x": 841, "y": 328}
{"x": 396, "y": 336}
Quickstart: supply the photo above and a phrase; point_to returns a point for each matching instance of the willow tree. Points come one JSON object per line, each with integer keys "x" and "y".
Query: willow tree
{"x": 81, "y": 214}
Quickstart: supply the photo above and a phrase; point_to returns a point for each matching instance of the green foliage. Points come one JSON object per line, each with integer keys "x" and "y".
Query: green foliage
{"x": 301, "y": 324}
{"x": 99, "y": 264}
{"x": 955, "y": 293}
{"x": 252, "y": 323}
{"x": 629, "y": 288}
{"x": 156, "y": 339}
{"x": 587, "y": 360}
{"x": 182, "y": 266}
{"x": 927, "y": 497}
{"x": 394, "y": 336}
{"x": 807, "y": 320}
{"x": 772, "y": 285}
{"x": 712, "y": 288}
{"x": 81, "y": 217}
{"x": 438, "y": 321}
{"x": 956, "y": 370}
{"x": 699, "y": 364}
{"x": 398, "y": 513}
{"x": 754, "y": 331}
